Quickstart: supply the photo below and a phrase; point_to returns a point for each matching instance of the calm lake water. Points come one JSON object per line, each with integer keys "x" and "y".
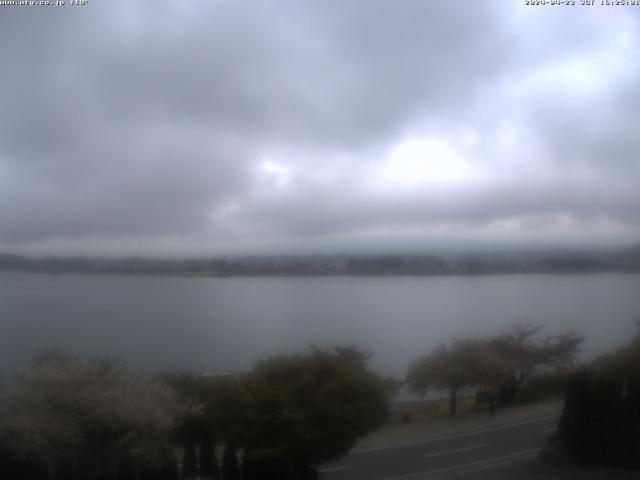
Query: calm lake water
{"x": 225, "y": 324}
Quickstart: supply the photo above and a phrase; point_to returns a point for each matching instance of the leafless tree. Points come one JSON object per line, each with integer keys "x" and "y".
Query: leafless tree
{"x": 465, "y": 362}
{"x": 501, "y": 363}
{"x": 522, "y": 352}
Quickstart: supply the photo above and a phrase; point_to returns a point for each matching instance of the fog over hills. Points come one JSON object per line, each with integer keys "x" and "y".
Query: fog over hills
{"x": 460, "y": 263}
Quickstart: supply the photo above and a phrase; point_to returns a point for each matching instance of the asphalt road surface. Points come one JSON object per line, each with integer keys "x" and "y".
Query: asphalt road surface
{"x": 498, "y": 452}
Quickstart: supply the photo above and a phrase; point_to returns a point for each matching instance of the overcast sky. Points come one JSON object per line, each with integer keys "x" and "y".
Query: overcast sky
{"x": 220, "y": 127}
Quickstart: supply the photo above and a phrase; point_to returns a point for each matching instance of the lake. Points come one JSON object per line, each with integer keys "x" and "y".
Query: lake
{"x": 226, "y": 324}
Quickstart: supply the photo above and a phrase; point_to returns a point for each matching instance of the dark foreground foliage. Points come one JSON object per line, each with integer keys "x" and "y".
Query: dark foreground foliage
{"x": 600, "y": 423}
{"x": 304, "y": 410}
{"x": 76, "y": 419}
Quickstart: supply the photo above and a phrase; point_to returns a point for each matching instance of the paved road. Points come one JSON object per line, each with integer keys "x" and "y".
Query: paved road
{"x": 497, "y": 452}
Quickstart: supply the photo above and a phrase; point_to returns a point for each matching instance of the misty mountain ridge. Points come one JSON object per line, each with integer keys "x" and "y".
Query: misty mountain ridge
{"x": 546, "y": 261}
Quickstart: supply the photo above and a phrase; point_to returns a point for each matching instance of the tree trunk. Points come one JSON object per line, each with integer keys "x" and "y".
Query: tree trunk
{"x": 51, "y": 470}
{"x": 189, "y": 460}
{"x": 113, "y": 468}
{"x": 508, "y": 392}
{"x": 453, "y": 400}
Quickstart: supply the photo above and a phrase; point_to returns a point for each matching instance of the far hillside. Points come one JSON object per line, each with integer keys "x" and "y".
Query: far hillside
{"x": 551, "y": 261}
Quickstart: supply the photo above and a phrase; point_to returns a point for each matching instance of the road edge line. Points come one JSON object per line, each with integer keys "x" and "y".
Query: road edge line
{"x": 455, "y": 435}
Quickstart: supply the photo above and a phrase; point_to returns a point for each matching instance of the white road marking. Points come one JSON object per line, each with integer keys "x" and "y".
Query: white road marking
{"x": 456, "y": 435}
{"x": 334, "y": 469}
{"x": 455, "y": 451}
{"x": 463, "y": 466}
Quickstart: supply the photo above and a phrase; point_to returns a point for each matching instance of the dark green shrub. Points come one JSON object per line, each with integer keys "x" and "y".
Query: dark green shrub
{"x": 573, "y": 429}
{"x": 600, "y": 423}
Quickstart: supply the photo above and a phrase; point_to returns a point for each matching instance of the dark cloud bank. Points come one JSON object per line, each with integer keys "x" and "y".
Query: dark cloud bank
{"x": 224, "y": 127}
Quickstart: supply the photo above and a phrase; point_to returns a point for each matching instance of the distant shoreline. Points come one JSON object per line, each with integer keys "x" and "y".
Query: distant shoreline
{"x": 340, "y": 265}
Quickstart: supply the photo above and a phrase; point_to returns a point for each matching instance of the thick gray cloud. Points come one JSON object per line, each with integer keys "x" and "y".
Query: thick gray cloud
{"x": 198, "y": 126}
